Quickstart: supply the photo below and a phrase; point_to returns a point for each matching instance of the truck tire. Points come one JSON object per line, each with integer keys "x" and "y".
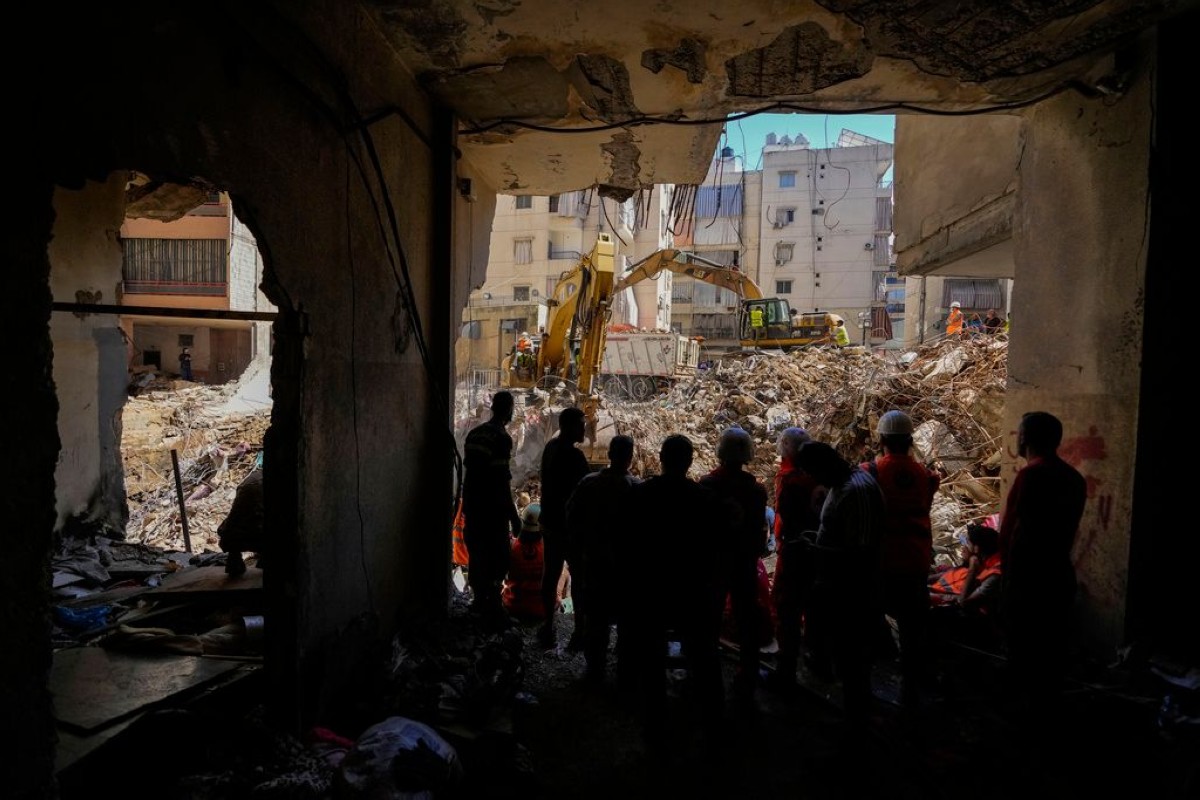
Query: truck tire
{"x": 642, "y": 388}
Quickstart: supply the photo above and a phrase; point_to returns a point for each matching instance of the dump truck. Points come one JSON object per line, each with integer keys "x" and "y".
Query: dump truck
{"x": 640, "y": 364}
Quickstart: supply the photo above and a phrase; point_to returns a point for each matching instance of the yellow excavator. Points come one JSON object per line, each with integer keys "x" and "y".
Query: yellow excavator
{"x": 572, "y": 347}
{"x": 570, "y": 351}
{"x": 779, "y": 329}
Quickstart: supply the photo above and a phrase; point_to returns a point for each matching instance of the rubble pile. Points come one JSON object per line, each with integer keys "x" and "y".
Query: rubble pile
{"x": 952, "y": 388}
{"x": 216, "y": 452}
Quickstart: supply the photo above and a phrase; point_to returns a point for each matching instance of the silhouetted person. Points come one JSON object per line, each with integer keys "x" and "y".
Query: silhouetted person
{"x": 1037, "y": 531}
{"x": 908, "y": 491}
{"x": 563, "y": 466}
{"x": 598, "y": 518}
{"x": 185, "y": 363}
{"x": 676, "y": 582}
{"x": 489, "y": 514}
{"x": 798, "y": 500}
{"x": 242, "y": 529}
{"x": 847, "y": 548}
{"x": 743, "y": 543}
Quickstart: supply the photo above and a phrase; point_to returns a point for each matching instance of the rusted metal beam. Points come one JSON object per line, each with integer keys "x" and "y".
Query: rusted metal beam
{"x": 153, "y": 311}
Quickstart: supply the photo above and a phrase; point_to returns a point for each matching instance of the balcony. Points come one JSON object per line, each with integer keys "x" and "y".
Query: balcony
{"x": 176, "y": 287}
{"x": 560, "y": 254}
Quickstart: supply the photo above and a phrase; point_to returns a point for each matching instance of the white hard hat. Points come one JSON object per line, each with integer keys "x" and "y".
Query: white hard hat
{"x": 735, "y": 445}
{"x": 895, "y": 423}
{"x": 531, "y": 520}
{"x": 956, "y": 304}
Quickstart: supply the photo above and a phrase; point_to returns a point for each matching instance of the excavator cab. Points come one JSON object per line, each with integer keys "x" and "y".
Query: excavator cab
{"x": 777, "y": 322}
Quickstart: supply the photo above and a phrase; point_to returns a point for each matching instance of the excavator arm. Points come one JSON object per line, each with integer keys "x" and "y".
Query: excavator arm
{"x": 579, "y": 310}
{"x": 693, "y": 266}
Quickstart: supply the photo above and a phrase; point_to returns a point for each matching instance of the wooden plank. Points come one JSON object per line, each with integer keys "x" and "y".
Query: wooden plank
{"x": 94, "y": 687}
{"x": 207, "y": 582}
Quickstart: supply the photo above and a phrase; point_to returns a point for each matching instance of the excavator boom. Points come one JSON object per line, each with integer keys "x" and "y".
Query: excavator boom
{"x": 693, "y": 266}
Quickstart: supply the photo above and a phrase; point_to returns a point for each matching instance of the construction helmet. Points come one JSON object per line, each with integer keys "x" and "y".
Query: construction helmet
{"x": 531, "y": 520}
{"x": 735, "y": 446}
{"x": 956, "y": 304}
{"x": 895, "y": 423}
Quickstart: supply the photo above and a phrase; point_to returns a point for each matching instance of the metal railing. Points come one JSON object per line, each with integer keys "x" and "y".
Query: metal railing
{"x": 176, "y": 287}
{"x": 558, "y": 254}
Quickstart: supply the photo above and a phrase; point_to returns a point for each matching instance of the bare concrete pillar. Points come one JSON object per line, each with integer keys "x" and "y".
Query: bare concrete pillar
{"x": 1080, "y": 261}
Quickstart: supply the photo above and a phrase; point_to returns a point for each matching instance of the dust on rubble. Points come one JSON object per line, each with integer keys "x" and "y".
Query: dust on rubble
{"x": 217, "y": 450}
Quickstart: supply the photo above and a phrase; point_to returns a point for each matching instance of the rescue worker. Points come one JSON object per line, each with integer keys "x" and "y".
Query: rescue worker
{"x": 597, "y": 516}
{"x": 975, "y": 584}
{"x": 756, "y": 323}
{"x": 992, "y": 324}
{"x": 1037, "y": 531}
{"x": 674, "y": 515}
{"x": 907, "y": 551}
{"x": 841, "y": 337}
{"x": 489, "y": 513}
{"x": 522, "y": 593}
{"x": 954, "y": 320}
{"x": 563, "y": 466}
{"x": 798, "y": 499}
{"x": 744, "y": 544}
{"x": 847, "y": 548}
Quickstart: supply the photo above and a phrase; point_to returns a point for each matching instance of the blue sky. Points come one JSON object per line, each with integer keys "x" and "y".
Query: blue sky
{"x": 748, "y": 135}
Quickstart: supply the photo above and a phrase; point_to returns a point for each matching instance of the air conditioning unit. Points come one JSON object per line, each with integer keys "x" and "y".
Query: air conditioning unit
{"x": 533, "y": 292}
{"x": 868, "y": 246}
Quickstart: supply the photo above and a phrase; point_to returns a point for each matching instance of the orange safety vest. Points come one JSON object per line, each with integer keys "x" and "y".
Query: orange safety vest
{"x": 522, "y": 593}
{"x": 459, "y": 553}
{"x": 954, "y": 580}
{"x": 954, "y": 322}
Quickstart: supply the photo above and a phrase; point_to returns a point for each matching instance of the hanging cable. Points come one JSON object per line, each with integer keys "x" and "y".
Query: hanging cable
{"x": 637, "y": 121}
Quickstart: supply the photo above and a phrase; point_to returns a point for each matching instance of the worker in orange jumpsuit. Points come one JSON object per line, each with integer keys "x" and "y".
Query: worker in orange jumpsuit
{"x": 954, "y": 320}
{"x": 907, "y": 548}
{"x": 522, "y": 592}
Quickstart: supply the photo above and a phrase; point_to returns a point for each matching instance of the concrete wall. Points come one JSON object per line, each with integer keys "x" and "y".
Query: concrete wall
{"x": 355, "y": 469}
{"x": 165, "y": 339}
{"x": 189, "y": 226}
{"x": 956, "y": 178}
{"x": 1080, "y": 258}
{"x": 89, "y": 354}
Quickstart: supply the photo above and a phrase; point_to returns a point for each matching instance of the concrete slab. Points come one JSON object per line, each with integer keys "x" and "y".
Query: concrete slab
{"x": 94, "y": 687}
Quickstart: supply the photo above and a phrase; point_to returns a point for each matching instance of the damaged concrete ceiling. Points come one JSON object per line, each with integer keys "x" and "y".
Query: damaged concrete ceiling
{"x": 502, "y": 65}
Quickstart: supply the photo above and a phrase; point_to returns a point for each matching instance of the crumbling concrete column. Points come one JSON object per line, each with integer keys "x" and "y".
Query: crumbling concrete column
{"x": 90, "y": 353}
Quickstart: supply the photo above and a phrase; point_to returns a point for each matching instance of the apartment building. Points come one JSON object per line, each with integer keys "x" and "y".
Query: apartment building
{"x": 826, "y": 224}
{"x": 206, "y": 259}
{"x": 534, "y": 241}
{"x": 718, "y": 224}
